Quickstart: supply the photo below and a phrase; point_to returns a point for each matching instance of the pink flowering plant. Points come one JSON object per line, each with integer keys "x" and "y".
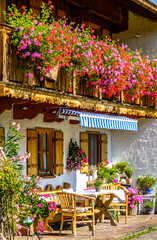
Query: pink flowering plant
{"x": 19, "y": 193}
{"x": 134, "y": 198}
{"x": 77, "y": 160}
{"x": 45, "y": 44}
{"x": 33, "y": 204}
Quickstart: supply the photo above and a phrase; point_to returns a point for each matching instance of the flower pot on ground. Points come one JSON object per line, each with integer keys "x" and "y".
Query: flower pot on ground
{"x": 97, "y": 185}
{"x": 149, "y": 207}
{"x": 145, "y": 183}
{"x": 132, "y": 211}
{"x": 133, "y": 200}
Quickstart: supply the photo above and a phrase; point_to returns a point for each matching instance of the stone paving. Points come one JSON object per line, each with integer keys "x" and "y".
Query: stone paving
{"x": 107, "y": 232}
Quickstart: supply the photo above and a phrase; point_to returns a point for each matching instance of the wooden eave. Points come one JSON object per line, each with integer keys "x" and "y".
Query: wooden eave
{"x": 39, "y": 95}
{"x": 141, "y": 7}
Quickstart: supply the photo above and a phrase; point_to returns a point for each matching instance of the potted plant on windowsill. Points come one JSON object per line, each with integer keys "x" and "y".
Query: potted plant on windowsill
{"x": 146, "y": 183}
{"x": 149, "y": 207}
{"x": 97, "y": 185}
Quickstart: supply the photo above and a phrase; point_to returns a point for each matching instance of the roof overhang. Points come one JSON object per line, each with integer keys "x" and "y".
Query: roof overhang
{"x": 40, "y": 95}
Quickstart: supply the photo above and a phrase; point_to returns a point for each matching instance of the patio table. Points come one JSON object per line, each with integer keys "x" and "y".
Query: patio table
{"x": 104, "y": 204}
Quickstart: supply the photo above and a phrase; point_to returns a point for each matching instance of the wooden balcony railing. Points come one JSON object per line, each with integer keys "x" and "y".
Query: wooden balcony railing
{"x": 10, "y": 71}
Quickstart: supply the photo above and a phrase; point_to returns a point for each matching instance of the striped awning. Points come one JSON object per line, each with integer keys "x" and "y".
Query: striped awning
{"x": 95, "y": 120}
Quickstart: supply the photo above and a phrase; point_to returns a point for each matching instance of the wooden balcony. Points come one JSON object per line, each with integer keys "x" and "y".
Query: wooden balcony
{"x": 74, "y": 94}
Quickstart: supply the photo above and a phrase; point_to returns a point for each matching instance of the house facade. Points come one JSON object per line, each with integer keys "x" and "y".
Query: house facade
{"x": 36, "y": 105}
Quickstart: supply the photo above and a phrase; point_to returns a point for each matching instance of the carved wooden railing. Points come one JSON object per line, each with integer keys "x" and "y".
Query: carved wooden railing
{"x": 66, "y": 83}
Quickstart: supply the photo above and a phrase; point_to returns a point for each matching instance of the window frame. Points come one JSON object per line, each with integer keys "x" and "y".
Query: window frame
{"x": 50, "y": 152}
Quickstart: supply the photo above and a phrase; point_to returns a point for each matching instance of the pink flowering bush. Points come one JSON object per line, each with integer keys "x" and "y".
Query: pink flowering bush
{"x": 133, "y": 197}
{"x": 33, "y": 204}
{"x": 46, "y": 44}
{"x": 19, "y": 193}
{"x": 77, "y": 160}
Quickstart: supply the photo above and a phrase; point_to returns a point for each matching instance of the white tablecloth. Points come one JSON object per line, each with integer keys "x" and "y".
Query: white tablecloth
{"x": 118, "y": 193}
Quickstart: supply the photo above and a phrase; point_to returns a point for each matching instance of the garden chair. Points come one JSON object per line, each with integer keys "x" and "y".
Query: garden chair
{"x": 51, "y": 197}
{"x": 76, "y": 214}
{"x": 119, "y": 206}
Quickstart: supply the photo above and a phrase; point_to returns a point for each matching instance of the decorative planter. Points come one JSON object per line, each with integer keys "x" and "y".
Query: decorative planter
{"x": 149, "y": 211}
{"x": 128, "y": 180}
{"x": 148, "y": 191}
{"x": 132, "y": 211}
{"x": 98, "y": 188}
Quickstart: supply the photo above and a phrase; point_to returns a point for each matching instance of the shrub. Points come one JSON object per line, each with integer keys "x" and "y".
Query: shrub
{"x": 146, "y": 182}
{"x": 149, "y": 205}
{"x": 128, "y": 172}
{"x": 121, "y": 166}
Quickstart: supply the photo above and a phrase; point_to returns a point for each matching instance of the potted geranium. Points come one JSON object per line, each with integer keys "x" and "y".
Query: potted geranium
{"x": 149, "y": 207}
{"x": 133, "y": 200}
{"x": 146, "y": 183}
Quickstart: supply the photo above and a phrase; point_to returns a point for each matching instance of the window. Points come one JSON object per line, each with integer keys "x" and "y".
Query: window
{"x": 93, "y": 149}
{"x": 95, "y": 146}
{"x": 46, "y": 152}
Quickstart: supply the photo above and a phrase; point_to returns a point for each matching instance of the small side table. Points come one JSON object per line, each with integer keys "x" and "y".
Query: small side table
{"x": 141, "y": 209}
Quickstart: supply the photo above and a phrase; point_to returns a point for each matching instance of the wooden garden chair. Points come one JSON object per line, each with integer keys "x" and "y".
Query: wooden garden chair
{"x": 76, "y": 214}
{"x": 51, "y": 197}
{"x": 118, "y": 206}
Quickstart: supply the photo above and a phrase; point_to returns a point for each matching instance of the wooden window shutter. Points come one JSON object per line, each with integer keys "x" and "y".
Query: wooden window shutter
{"x": 32, "y": 147}
{"x": 58, "y": 137}
{"x": 84, "y": 146}
{"x": 103, "y": 147}
{"x": 2, "y": 136}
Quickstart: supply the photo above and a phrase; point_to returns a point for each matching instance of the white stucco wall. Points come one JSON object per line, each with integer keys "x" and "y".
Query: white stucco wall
{"x": 138, "y": 148}
{"x": 142, "y": 33}
{"x": 77, "y": 180}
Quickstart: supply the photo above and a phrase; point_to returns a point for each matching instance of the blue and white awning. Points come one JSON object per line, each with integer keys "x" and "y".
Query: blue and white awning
{"x": 101, "y": 120}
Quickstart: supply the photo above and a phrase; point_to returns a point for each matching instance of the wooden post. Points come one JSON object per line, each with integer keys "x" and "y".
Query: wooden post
{"x": 2, "y": 9}
{"x": 122, "y": 96}
{"x": 155, "y": 102}
{"x": 3, "y": 52}
{"x": 74, "y": 83}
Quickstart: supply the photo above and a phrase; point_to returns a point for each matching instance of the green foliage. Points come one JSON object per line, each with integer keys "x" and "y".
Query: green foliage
{"x": 18, "y": 194}
{"x": 146, "y": 182}
{"x": 149, "y": 205}
{"x": 121, "y": 166}
{"x": 140, "y": 233}
{"x": 108, "y": 173}
{"x": 128, "y": 172}
{"x": 98, "y": 182}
